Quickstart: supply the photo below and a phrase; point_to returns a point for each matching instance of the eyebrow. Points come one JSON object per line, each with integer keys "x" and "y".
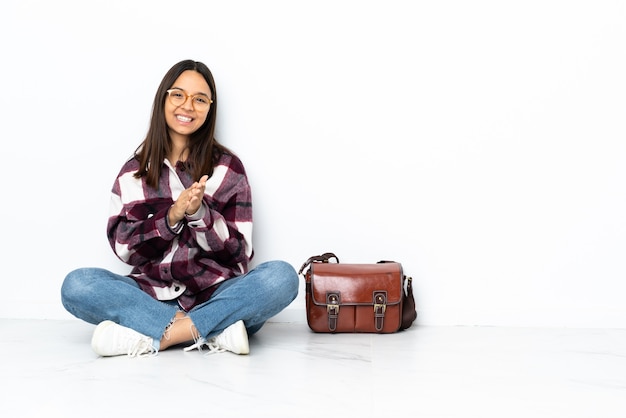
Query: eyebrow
{"x": 200, "y": 92}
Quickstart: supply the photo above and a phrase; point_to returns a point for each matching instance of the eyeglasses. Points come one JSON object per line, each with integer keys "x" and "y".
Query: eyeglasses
{"x": 178, "y": 97}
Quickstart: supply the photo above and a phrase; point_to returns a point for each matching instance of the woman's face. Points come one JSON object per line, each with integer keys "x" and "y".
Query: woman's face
{"x": 186, "y": 107}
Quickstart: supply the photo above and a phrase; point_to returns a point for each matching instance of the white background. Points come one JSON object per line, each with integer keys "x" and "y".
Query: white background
{"x": 480, "y": 143}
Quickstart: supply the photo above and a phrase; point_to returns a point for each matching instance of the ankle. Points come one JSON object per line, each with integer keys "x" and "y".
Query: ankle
{"x": 180, "y": 330}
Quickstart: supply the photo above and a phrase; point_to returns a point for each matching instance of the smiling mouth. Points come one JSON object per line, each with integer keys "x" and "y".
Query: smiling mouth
{"x": 182, "y": 118}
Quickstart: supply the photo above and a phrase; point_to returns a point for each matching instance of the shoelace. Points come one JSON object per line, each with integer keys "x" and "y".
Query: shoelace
{"x": 211, "y": 345}
{"x": 141, "y": 348}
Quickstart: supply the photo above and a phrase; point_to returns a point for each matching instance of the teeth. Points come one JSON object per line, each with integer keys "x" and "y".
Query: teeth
{"x": 183, "y": 118}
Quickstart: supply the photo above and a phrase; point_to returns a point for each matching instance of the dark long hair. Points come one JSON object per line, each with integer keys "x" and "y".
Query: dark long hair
{"x": 204, "y": 149}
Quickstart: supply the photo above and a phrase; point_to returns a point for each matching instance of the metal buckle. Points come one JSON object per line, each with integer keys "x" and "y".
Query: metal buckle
{"x": 332, "y": 303}
{"x": 380, "y": 302}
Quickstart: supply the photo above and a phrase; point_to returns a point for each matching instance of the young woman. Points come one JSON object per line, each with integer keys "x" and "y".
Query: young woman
{"x": 181, "y": 216}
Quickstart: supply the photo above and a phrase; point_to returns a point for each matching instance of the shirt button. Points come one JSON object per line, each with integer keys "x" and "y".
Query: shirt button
{"x": 177, "y": 288}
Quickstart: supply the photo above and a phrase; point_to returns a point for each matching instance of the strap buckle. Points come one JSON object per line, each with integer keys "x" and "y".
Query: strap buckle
{"x": 332, "y": 308}
{"x": 380, "y": 306}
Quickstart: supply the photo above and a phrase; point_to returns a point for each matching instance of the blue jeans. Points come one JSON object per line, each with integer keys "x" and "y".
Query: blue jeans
{"x": 95, "y": 295}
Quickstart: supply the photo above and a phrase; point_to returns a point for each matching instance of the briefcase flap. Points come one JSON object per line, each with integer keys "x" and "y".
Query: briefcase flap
{"x": 356, "y": 284}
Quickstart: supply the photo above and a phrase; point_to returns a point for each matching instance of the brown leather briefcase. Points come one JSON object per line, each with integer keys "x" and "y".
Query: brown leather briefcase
{"x": 374, "y": 298}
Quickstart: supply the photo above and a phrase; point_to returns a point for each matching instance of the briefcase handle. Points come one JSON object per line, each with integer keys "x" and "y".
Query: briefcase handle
{"x": 324, "y": 258}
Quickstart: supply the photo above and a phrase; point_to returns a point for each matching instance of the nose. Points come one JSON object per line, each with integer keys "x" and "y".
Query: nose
{"x": 188, "y": 104}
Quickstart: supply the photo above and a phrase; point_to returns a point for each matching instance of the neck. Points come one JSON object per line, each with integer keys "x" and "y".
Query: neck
{"x": 179, "y": 150}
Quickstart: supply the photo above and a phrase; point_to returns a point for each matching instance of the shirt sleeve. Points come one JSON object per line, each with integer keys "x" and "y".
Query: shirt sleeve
{"x": 137, "y": 229}
{"x": 223, "y": 224}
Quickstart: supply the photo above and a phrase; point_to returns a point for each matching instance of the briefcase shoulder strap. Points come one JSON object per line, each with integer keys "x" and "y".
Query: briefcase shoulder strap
{"x": 324, "y": 258}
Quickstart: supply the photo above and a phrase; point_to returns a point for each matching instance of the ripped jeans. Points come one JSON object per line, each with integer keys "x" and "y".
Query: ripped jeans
{"x": 96, "y": 294}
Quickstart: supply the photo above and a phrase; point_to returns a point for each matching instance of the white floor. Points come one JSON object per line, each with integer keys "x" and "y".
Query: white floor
{"x": 49, "y": 370}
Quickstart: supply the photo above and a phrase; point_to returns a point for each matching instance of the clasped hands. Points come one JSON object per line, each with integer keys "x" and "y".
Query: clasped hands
{"x": 188, "y": 202}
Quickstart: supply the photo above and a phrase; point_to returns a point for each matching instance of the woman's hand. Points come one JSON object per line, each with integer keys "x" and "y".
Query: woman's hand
{"x": 188, "y": 202}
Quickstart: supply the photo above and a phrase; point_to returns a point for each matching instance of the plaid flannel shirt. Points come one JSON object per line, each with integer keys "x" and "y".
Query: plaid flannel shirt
{"x": 203, "y": 250}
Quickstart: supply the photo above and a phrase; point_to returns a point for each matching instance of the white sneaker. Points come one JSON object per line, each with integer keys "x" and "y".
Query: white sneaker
{"x": 111, "y": 339}
{"x": 233, "y": 339}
